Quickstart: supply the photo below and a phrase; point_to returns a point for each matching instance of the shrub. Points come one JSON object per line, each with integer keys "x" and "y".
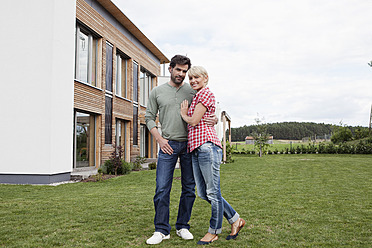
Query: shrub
{"x": 298, "y": 150}
{"x": 363, "y": 147}
{"x": 341, "y": 134}
{"x": 331, "y": 149}
{"x": 126, "y": 167}
{"x": 321, "y": 148}
{"x": 345, "y": 148}
{"x": 98, "y": 177}
{"x": 152, "y": 166}
{"x": 229, "y": 151}
{"x": 108, "y": 167}
{"x": 137, "y": 164}
{"x": 116, "y": 165}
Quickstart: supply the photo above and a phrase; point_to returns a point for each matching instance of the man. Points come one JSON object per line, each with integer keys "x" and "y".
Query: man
{"x": 167, "y": 99}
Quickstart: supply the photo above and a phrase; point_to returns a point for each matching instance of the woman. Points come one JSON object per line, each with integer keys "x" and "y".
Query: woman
{"x": 206, "y": 151}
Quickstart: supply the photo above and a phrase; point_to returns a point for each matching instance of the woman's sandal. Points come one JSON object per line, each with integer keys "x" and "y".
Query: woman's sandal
{"x": 200, "y": 242}
{"x": 236, "y": 229}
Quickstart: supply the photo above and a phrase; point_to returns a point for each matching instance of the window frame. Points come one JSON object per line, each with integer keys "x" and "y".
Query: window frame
{"x": 121, "y": 89}
{"x": 146, "y": 85}
{"x": 92, "y": 56}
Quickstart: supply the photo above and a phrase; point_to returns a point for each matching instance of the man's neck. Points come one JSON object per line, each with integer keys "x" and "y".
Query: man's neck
{"x": 171, "y": 83}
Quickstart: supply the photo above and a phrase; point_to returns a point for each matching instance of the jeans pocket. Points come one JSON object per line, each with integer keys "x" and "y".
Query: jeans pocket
{"x": 206, "y": 147}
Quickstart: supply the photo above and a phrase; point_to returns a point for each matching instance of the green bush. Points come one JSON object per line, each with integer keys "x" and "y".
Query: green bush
{"x": 108, "y": 167}
{"x": 137, "y": 164}
{"x": 364, "y": 147}
{"x": 152, "y": 166}
{"x": 341, "y": 134}
{"x": 229, "y": 151}
{"x": 126, "y": 167}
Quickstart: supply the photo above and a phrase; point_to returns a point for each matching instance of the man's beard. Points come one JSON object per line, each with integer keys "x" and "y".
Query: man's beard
{"x": 177, "y": 80}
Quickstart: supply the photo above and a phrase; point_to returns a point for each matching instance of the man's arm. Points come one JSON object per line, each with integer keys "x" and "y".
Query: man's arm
{"x": 163, "y": 143}
{"x": 211, "y": 121}
{"x": 150, "y": 117}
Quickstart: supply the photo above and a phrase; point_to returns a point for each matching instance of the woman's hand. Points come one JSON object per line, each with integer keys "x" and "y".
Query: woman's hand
{"x": 184, "y": 108}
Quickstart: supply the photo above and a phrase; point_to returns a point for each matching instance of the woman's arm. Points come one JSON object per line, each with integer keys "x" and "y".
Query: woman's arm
{"x": 199, "y": 111}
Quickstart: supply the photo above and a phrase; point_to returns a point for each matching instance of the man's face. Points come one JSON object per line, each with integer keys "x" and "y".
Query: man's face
{"x": 178, "y": 73}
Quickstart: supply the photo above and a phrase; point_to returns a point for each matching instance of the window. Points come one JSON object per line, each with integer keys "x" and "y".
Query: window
{"x": 143, "y": 141}
{"x": 135, "y": 125}
{"x": 121, "y": 75}
{"x": 146, "y": 80}
{"x": 86, "y": 56}
{"x": 135, "y": 82}
{"x": 108, "y": 96}
{"x": 108, "y": 120}
{"x": 109, "y": 49}
{"x": 84, "y": 148}
{"x": 122, "y": 138}
{"x": 135, "y": 103}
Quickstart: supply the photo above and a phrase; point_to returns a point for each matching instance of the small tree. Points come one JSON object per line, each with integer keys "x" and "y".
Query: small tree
{"x": 261, "y": 136}
{"x": 361, "y": 133}
{"x": 115, "y": 158}
{"x": 341, "y": 134}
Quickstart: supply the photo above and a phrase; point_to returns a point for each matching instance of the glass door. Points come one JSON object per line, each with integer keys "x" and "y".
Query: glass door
{"x": 84, "y": 149}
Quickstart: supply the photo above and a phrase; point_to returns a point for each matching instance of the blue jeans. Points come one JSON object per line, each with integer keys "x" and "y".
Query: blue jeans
{"x": 164, "y": 178}
{"x": 206, "y": 161}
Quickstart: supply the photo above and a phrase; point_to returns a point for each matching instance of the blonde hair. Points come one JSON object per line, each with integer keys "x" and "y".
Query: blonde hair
{"x": 198, "y": 71}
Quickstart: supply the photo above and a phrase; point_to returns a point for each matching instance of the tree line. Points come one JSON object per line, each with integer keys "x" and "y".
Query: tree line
{"x": 290, "y": 130}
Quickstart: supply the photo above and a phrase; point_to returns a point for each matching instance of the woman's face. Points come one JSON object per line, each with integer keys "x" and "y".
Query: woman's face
{"x": 197, "y": 82}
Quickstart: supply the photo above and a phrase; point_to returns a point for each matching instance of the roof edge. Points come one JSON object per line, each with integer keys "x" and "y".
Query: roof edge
{"x": 128, "y": 24}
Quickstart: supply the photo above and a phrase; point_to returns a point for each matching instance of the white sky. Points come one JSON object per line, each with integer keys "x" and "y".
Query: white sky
{"x": 288, "y": 60}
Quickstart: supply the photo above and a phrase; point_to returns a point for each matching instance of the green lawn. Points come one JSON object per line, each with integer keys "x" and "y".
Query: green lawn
{"x": 279, "y": 145}
{"x": 287, "y": 201}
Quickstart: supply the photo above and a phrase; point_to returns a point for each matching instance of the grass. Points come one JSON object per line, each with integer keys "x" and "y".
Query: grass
{"x": 280, "y": 145}
{"x": 287, "y": 201}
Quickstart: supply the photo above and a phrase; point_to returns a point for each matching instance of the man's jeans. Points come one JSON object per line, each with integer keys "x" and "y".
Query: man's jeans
{"x": 206, "y": 160}
{"x": 164, "y": 178}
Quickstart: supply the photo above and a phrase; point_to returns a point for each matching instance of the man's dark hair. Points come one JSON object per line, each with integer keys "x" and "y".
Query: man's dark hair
{"x": 181, "y": 60}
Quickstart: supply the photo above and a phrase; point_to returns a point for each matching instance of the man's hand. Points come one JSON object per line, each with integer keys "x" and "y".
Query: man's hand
{"x": 164, "y": 146}
{"x": 211, "y": 121}
{"x": 163, "y": 143}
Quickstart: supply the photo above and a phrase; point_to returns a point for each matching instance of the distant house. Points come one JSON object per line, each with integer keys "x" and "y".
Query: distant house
{"x": 77, "y": 75}
{"x": 249, "y": 140}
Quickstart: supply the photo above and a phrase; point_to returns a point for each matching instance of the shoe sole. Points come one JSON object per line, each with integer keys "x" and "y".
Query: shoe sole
{"x": 166, "y": 237}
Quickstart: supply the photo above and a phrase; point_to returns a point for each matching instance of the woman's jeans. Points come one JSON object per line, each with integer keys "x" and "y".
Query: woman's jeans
{"x": 206, "y": 160}
{"x": 164, "y": 178}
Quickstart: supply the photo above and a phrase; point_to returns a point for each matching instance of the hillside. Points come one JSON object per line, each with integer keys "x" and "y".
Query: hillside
{"x": 288, "y": 130}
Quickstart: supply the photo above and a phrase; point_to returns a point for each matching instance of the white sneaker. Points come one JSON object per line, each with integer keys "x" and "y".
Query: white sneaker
{"x": 156, "y": 238}
{"x": 185, "y": 234}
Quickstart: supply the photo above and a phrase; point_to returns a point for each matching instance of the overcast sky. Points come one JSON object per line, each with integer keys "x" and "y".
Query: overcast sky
{"x": 287, "y": 60}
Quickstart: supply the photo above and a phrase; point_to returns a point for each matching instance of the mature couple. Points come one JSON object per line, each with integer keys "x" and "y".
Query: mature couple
{"x": 188, "y": 133}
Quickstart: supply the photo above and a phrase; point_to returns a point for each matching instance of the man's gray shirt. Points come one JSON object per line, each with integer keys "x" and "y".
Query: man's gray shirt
{"x": 167, "y": 100}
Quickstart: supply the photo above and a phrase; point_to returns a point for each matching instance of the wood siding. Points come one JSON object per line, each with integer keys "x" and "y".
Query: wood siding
{"x": 92, "y": 99}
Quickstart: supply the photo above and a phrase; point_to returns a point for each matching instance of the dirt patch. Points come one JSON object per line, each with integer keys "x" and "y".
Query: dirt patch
{"x": 96, "y": 178}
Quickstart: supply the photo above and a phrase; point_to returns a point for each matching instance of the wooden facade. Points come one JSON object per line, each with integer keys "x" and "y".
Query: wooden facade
{"x": 90, "y": 98}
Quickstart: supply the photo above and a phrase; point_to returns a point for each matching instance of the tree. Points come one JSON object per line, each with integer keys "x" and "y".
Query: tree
{"x": 341, "y": 134}
{"x": 260, "y": 137}
{"x": 361, "y": 133}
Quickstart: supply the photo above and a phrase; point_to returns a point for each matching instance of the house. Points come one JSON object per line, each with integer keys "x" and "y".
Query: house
{"x": 75, "y": 84}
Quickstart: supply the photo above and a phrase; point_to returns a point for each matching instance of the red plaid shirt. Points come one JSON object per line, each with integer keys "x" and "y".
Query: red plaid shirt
{"x": 202, "y": 133}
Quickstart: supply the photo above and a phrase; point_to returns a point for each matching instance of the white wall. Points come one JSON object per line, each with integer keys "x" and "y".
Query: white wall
{"x": 36, "y": 96}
